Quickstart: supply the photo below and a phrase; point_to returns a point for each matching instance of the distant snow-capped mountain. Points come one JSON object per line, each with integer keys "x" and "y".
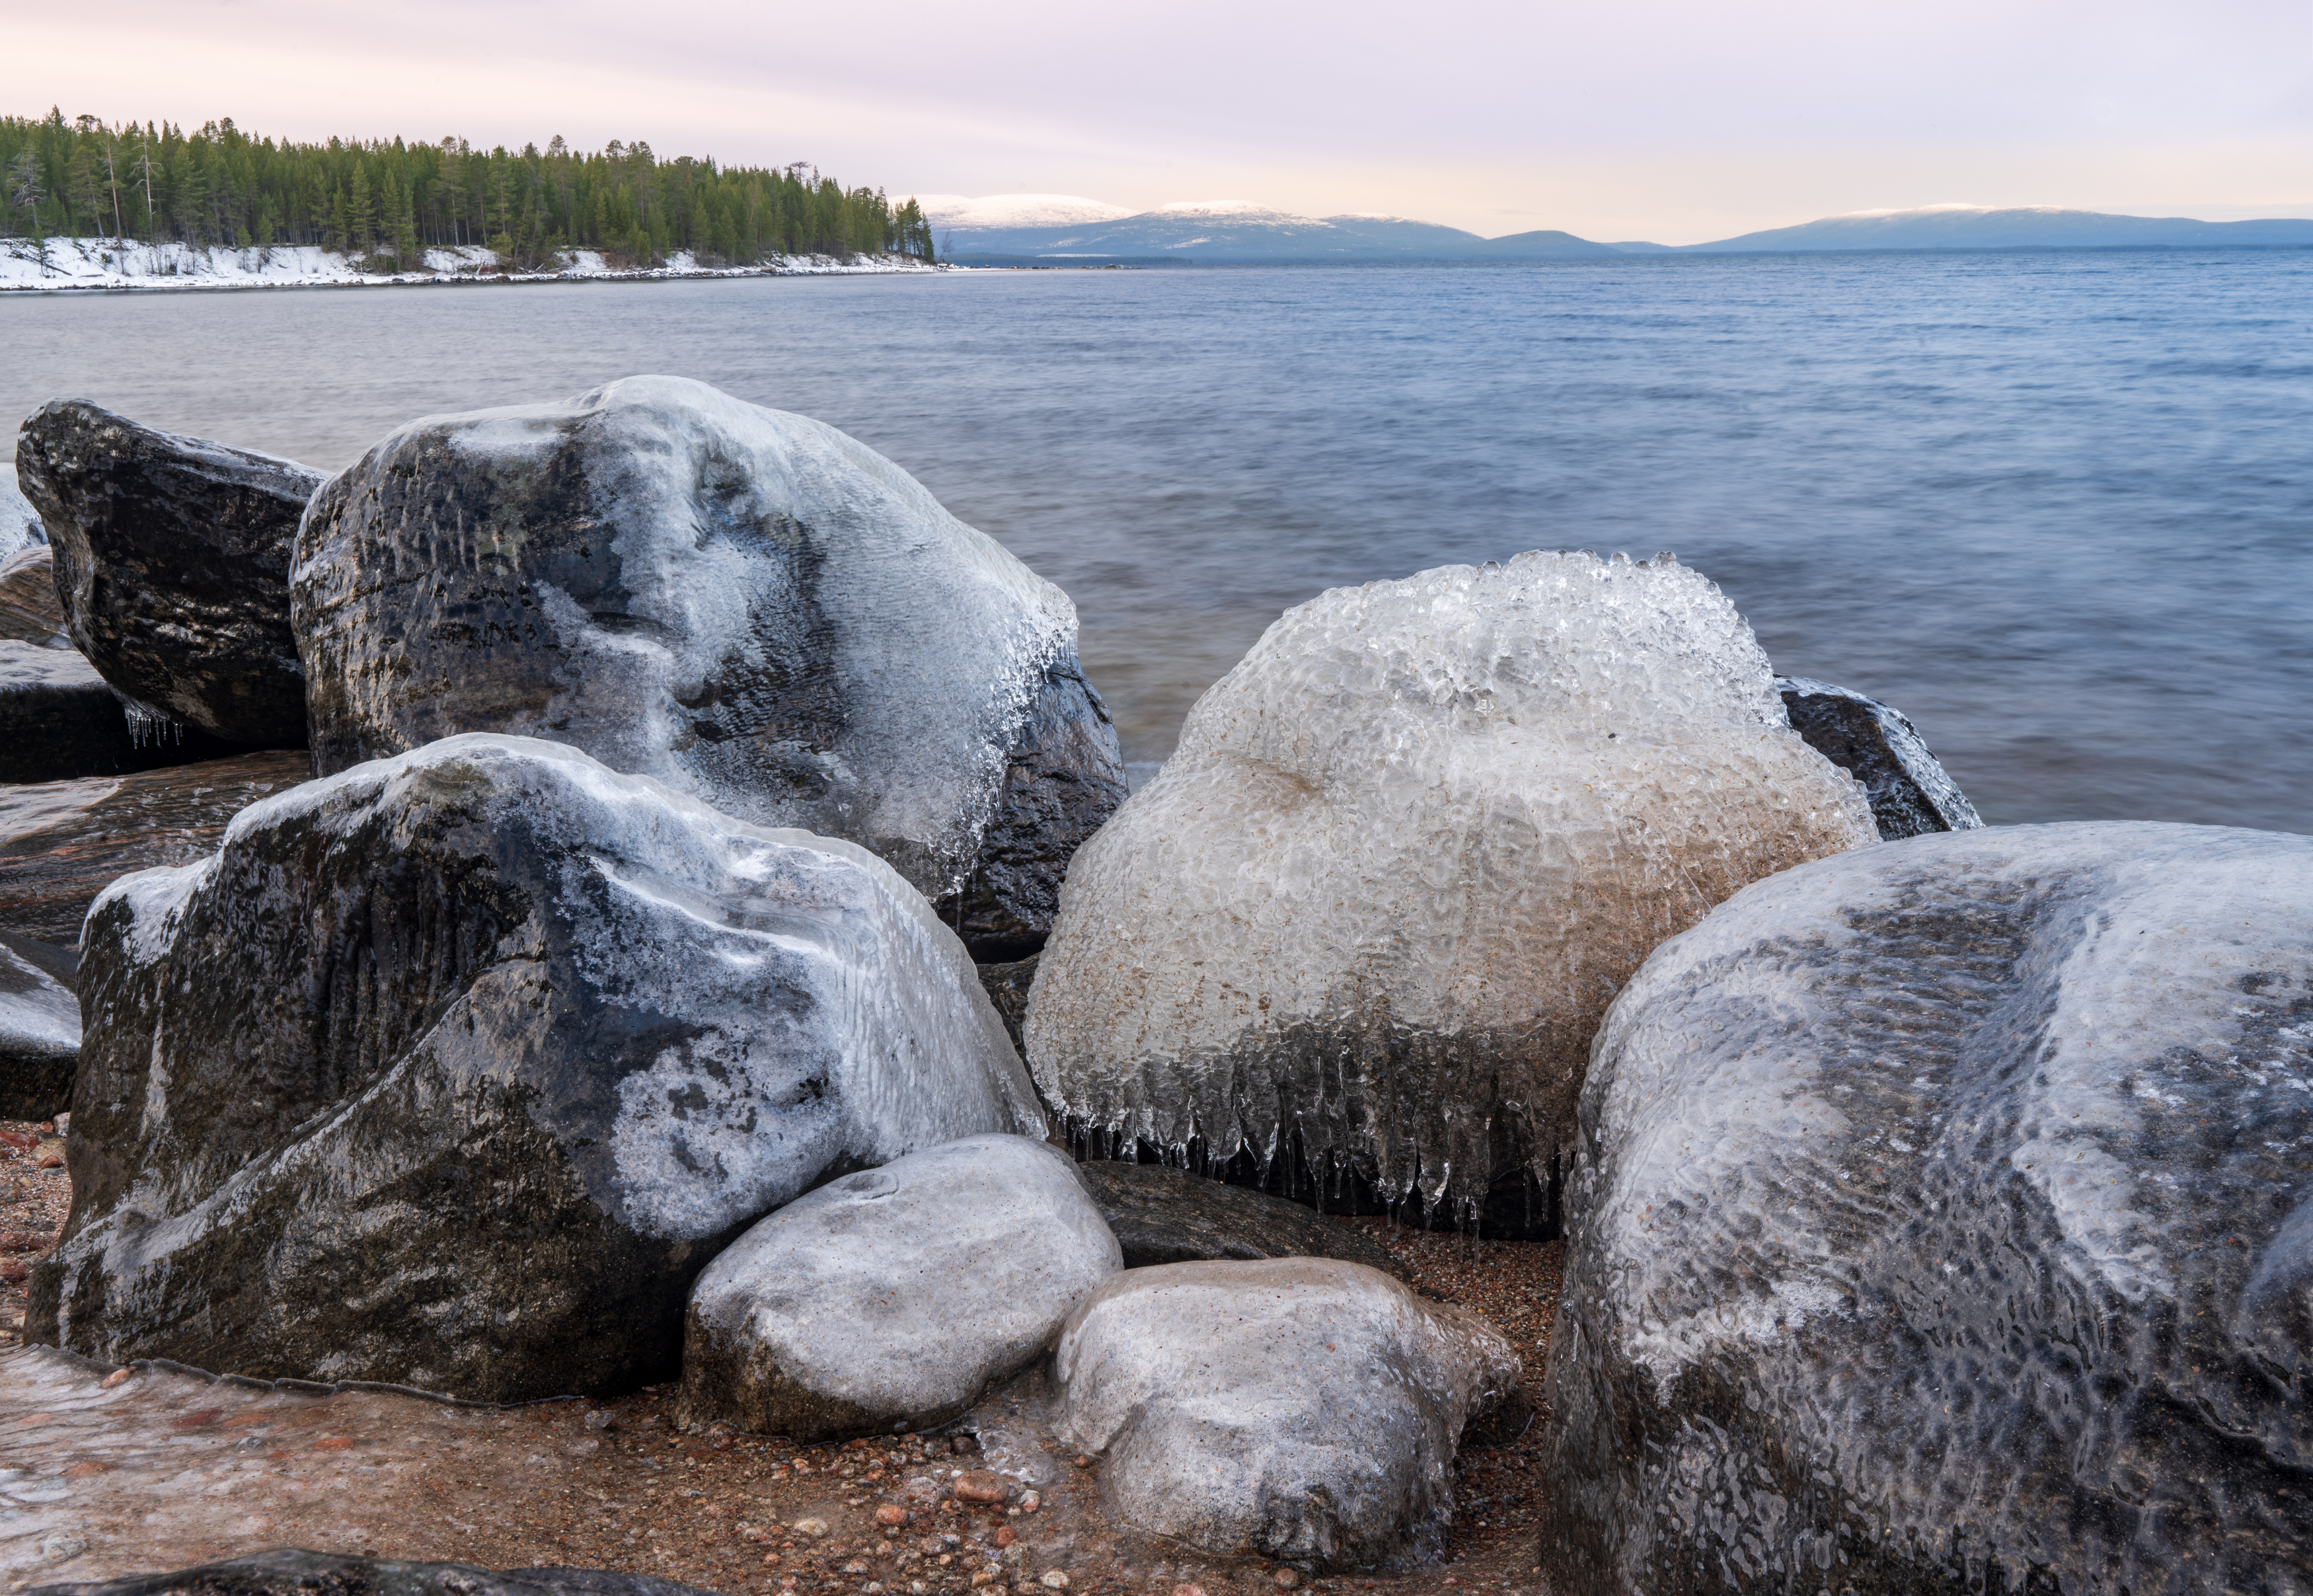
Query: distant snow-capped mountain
{"x": 1993, "y": 227}
{"x": 1015, "y": 210}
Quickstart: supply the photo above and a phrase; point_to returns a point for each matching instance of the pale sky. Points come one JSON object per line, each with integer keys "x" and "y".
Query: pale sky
{"x": 1675, "y": 120}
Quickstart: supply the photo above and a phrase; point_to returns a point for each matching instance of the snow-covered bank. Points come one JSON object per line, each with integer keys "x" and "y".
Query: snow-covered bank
{"x": 55, "y": 263}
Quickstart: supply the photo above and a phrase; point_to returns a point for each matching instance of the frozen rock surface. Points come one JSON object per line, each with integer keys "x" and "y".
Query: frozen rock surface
{"x": 1301, "y": 1408}
{"x": 746, "y": 605}
{"x": 62, "y": 843}
{"x": 20, "y": 522}
{"x": 895, "y": 1296}
{"x": 285, "y": 1573}
{"x": 451, "y": 1071}
{"x": 1943, "y": 1220}
{"x": 173, "y": 563}
{"x": 1175, "y": 1216}
{"x": 30, "y": 610}
{"x": 39, "y": 1028}
{"x": 1911, "y": 793}
{"x": 1377, "y": 900}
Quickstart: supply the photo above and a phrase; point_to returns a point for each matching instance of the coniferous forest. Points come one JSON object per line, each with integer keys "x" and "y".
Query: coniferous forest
{"x": 385, "y": 202}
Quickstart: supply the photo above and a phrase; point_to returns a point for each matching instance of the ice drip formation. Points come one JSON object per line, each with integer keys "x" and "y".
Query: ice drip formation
{"x": 613, "y": 1004}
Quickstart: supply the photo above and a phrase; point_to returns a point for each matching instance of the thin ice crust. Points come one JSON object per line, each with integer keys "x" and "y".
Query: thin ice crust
{"x": 1944, "y": 1221}
{"x": 451, "y": 1070}
{"x": 1405, "y": 855}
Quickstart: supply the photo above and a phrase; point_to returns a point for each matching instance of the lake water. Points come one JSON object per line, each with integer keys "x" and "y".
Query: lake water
{"x": 2057, "y": 507}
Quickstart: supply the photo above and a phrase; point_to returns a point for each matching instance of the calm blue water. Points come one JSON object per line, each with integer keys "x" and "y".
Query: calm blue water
{"x": 2057, "y": 507}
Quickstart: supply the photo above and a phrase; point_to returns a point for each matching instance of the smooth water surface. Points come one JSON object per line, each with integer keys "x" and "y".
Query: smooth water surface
{"x": 2058, "y": 507}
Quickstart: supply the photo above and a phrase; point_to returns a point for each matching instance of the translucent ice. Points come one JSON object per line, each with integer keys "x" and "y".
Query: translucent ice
{"x": 745, "y": 605}
{"x": 1406, "y": 853}
{"x": 453, "y": 1069}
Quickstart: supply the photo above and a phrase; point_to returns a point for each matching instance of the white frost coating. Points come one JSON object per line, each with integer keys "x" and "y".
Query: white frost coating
{"x": 29, "y": 664}
{"x": 898, "y": 1294}
{"x": 739, "y": 531}
{"x": 1459, "y": 807}
{"x": 688, "y": 911}
{"x": 20, "y": 522}
{"x": 156, "y": 900}
{"x": 37, "y": 1013}
{"x": 1720, "y": 1118}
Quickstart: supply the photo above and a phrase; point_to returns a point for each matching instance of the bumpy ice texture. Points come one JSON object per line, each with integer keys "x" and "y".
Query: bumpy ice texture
{"x": 452, "y": 1069}
{"x": 1299, "y": 1408}
{"x": 1944, "y": 1221}
{"x": 895, "y": 1296}
{"x": 746, "y": 605}
{"x": 20, "y": 522}
{"x": 1911, "y": 792}
{"x": 172, "y": 562}
{"x": 1406, "y": 853}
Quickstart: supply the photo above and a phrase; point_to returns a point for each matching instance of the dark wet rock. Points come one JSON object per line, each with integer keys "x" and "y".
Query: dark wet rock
{"x": 1944, "y": 1221}
{"x": 1911, "y": 792}
{"x": 745, "y": 605}
{"x": 62, "y": 843}
{"x": 286, "y": 1573}
{"x": 173, "y": 563}
{"x": 1007, "y": 985}
{"x": 451, "y": 1071}
{"x": 39, "y": 1028}
{"x": 59, "y": 721}
{"x": 30, "y": 610}
{"x": 1361, "y": 927}
{"x": 1171, "y": 1216}
{"x": 1300, "y": 1408}
{"x": 894, "y": 1297}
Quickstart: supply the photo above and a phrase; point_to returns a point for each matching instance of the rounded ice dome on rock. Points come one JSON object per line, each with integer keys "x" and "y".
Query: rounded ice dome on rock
{"x": 895, "y": 1296}
{"x": 1943, "y": 1215}
{"x": 1372, "y": 909}
{"x": 1300, "y": 1408}
{"x": 452, "y": 1069}
{"x": 745, "y": 605}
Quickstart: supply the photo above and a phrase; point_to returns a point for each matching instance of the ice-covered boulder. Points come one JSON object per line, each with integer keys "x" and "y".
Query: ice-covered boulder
{"x": 59, "y": 721}
{"x": 452, "y": 1069}
{"x": 1911, "y": 792}
{"x": 895, "y": 1296}
{"x": 39, "y": 1028}
{"x": 1161, "y": 1215}
{"x": 746, "y": 605}
{"x": 1407, "y": 849}
{"x": 30, "y": 611}
{"x": 1943, "y": 1219}
{"x": 173, "y": 563}
{"x": 1300, "y": 1408}
{"x": 20, "y": 522}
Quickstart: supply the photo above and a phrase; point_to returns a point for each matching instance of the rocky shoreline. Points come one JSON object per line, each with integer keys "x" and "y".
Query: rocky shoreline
{"x": 651, "y": 941}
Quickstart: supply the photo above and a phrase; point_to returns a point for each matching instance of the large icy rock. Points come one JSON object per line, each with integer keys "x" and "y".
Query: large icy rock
{"x": 746, "y": 605}
{"x": 173, "y": 562}
{"x": 1943, "y": 1220}
{"x": 896, "y": 1296}
{"x": 39, "y": 1028}
{"x": 30, "y": 610}
{"x": 1406, "y": 851}
{"x": 452, "y": 1069}
{"x": 20, "y": 522}
{"x": 1300, "y": 1408}
{"x": 1911, "y": 792}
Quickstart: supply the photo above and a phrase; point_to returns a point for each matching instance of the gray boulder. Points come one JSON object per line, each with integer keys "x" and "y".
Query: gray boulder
{"x": 745, "y": 605}
{"x": 60, "y": 721}
{"x": 286, "y": 1572}
{"x": 1301, "y": 1408}
{"x": 894, "y": 1297}
{"x": 39, "y": 1028}
{"x": 30, "y": 610}
{"x": 1943, "y": 1220}
{"x": 1911, "y": 792}
{"x": 173, "y": 563}
{"x": 20, "y": 522}
{"x": 1172, "y": 1216}
{"x": 451, "y": 1071}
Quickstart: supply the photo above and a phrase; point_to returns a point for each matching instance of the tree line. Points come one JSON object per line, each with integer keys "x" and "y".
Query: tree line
{"x": 385, "y": 202}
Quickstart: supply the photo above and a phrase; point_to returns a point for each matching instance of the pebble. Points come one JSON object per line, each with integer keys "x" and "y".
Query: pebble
{"x": 1030, "y": 1501}
{"x": 1053, "y": 1579}
{"x": 1188, "y": 1591}
{"x": 814, "y": 1528}
{"x": 891, "y": 1513}
{"x": 1287, "y": 1578}
{"x": 62, "y": 1548}
{"x": 1007, "y": 1536}
{"x": 602, "y": 1418}
{"x": 981, "y": 1485}
{"x": 118, "y": 1377}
